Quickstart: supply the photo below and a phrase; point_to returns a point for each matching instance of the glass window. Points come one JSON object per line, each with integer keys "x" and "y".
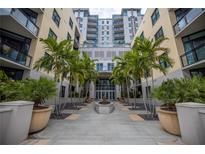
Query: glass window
{"x": 107, "y": 32}
{"x": 69, "y": 36}
{"x": 107, "y": 27}
{"x": 56, "y": 18}
{"x": 180, "y": 13}
{"x": 71, "y": 23}
{"x": 142, "y": 35}
{"x": 102, "y": 32}
{"x": 163, "y": 63}
{"x": 99, "y": 66}
{"x": 103, "y": 27}
{"x": 52, "y": 34}
{"x": 159, "y": 34}
{"x": 102, "y": 21}
{"x": 110, "y": 66}
{"x": 155, "y": 16}
{"x": 107, "y": 22}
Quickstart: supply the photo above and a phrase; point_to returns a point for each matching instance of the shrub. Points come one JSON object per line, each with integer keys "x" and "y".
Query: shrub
{"x": 180, "y": 90}
{"x": 39, "y": 90}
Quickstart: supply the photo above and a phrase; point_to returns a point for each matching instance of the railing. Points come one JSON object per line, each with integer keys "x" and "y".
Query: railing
{"x": 16, "y": 56}
{"x": 193, "y": 56}
{"x": 22, "y": 19}
{"x": 188, "y": 18}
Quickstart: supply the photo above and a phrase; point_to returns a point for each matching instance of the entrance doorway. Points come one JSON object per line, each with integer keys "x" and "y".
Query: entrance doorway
{"x": 104, "y": 87}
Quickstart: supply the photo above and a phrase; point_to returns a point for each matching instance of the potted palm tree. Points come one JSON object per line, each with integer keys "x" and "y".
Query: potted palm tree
{"x": 166, "y": 93}
{"x": 39, "y": 91}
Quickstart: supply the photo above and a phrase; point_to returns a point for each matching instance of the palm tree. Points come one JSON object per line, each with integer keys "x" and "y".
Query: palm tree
{"x": 121, "y": 68}
{"x": 149, "y": 51}
{"x": 56, "y": 60}
{"x": 89, "y": 70}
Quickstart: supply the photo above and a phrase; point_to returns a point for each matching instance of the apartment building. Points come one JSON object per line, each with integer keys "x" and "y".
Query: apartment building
{"x": 20, "y": 32}
{"x": 184, "y": 29}
{"x": 106, "y": 38}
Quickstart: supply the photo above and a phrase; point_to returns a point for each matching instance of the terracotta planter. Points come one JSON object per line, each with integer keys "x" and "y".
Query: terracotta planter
{"x": 40, "y": 118}
{"x": 169, "y": 121}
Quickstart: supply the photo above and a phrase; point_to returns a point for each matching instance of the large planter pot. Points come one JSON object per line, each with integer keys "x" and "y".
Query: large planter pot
{"x": 5, "y": 115}
{"x": 168, "y": 120}
{"x": 191, "y": 128}
{"x": 18, "y": 122}
{"x": 40, "y": 118}
{"x": 202, "y": 117}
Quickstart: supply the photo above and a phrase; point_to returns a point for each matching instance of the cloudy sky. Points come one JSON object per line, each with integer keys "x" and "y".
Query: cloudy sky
{"x": 107, "y": 12}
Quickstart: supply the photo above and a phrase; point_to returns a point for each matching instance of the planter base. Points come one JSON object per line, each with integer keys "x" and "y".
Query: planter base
{"x": 169, "y": 121}
{"x": 40, "y": 118}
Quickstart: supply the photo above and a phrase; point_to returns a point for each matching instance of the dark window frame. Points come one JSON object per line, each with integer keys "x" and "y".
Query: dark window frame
{"x": 155, "y": 16}
{"x": 62, "y": 91}
{"x": 71, "y": 23}
{"x": 56, "y": 18}
{"x": 69, "y": 36}
{"x": 52, "y": 34}
{"x": 159, "y": 33}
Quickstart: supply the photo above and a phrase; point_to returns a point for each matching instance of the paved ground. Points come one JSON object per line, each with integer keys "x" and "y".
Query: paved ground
{"x": 120, "y": 127}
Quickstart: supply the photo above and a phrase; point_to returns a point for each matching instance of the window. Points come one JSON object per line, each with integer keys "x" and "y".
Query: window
{"x": 102, "y": 21}
{"x": 103, "y": 27}
{"x": 180, "y": 13}
{"x": 142, "y": 35}
{"x": 103, "y": 38}
{"x": 107, "y": 32}
{"x": 69, "y": 36}
{"x": 71, "y": 23}
{"x": 62, "y": 92}
{"x": 102, "y": 32}
{"x": 130, "y": 31}
{"x": 110, "y": 66}
{"x": 155, "y": 16}
{"x": 107, "y": 22}
{"x": 130, "y": 25}
{"x": 99, "y": 66}
{"x": 51, "y": 34}
{"x": 56, "y": 18}
{"x": 163, "y": 63}
{"x": 107, "y": 27}
{"x": 107, "y": 38}
{"x": 159, "y": 34}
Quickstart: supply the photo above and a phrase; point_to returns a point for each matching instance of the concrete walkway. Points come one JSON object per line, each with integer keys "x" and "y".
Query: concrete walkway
{"x": 120, "y": 127}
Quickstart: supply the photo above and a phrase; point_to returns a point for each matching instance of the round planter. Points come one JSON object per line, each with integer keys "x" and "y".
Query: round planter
{"x": 104, "y": 108}
{"x": 40, "y": 118}
{"x": 191, "y": 128}
{"x": 169, "y": 121}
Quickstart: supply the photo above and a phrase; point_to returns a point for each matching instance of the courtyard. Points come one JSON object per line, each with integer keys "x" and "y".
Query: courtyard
{"x": 86, "y": 127}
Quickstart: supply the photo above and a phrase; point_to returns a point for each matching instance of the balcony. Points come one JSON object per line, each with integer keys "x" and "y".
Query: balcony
{"x": 194, "y": 56}
{"x": 91, "y": 36}
{"x": 195, "y": 18}
{"x": 15, "y": 56}
{"x": 92, "y": 30}
{"x": 17, "y": 22}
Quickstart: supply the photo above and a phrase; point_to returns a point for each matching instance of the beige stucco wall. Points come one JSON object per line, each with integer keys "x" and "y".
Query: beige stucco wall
{"x": 45, "y": 22}
{"x": 165, "y": 21}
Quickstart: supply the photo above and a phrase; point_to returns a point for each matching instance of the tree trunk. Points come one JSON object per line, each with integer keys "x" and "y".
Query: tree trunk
{"x": 128, "y": 92}
{"x": 135, "y": 90}
{"x": 146, "y": 90}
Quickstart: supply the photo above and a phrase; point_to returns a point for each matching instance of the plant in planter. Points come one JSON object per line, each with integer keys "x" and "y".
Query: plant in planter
{"x": 38, "y": 91}
{"x": 191, "y": 95}
{"x": 166, "y": 93}
{"x": 15, "y": 113}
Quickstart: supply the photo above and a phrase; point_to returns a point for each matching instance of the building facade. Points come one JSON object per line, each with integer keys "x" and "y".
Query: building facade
{"x": 184, "y": 29}
{"x": 21, "y": 30}
{"x": 110, "y": 37}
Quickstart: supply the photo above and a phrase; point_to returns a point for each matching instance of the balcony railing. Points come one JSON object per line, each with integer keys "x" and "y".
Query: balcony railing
{"x": 187, "y": 19}
{"x": 16, "y": 56}
{"x": 193, "y": 56}
{"x": 21, "y": 18}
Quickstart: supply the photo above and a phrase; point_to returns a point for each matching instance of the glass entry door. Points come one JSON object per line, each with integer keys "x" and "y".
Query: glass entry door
{"x": 104, "y": 87}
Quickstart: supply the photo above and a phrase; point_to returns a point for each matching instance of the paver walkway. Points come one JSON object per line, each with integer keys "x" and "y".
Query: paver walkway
{"x": 115, "y": 128}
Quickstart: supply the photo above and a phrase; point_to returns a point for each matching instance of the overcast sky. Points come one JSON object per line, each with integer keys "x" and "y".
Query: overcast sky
{"x": 108, "y": 12}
